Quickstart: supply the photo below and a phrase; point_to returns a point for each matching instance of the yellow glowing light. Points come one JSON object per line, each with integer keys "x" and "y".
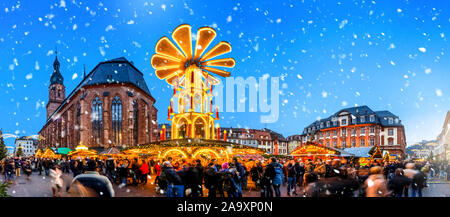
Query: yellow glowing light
{"x": 174, "y": 150}
{"x": 205, "y": 151}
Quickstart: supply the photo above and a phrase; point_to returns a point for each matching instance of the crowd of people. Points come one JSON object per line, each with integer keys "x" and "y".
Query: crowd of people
{"x": 210, "y": 178}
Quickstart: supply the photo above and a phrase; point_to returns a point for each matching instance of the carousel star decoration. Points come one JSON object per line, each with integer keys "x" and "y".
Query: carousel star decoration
{"x": 192, "y": 72}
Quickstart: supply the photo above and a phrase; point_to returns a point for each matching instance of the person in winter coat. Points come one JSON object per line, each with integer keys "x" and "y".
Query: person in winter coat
{"x": 191, "y": 181}
{"x": 211, "y": 180}
{"x": 144, "y": 170}
{"x": 376, "y": 185}
{"x": 398, "y": 184}
{"x": 200, "y": 173}
{"x": 291, "y": 175}
{"x": 27, "y": 169}
{"x": 277, "y": 178}
{"x": 110, "y": 169}
{"x": 299, "y": 171}
{"x": 309, "y": 175}
{"x": 320, "y": 169}
{"x": 57, "y": 182}
{"x": 417, "y": 184}
{"x": 175, "y": 187}
{"x": 9, "y": 170}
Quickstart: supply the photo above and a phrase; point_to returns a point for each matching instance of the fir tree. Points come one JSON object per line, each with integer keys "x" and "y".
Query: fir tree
{"x": 3, "y": 149}
{"x": 19, "y": 152}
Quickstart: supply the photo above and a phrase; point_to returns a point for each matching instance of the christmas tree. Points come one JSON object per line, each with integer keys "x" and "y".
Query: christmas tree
{"x": 19, "y": 151}
{"x": 3, "y": 149}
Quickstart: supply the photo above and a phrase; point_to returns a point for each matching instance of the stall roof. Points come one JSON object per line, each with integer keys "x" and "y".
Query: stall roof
{"x": 359, "y": 151}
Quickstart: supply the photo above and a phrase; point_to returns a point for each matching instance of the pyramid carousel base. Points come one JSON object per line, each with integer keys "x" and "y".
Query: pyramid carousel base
{"x": 193, "y": 149}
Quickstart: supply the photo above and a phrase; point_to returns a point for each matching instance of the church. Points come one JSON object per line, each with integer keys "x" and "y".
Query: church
{"x": 111, "y": 106}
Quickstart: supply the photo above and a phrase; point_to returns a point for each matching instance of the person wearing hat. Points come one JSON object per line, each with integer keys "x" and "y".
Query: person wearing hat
{"x": 93, "y": 181}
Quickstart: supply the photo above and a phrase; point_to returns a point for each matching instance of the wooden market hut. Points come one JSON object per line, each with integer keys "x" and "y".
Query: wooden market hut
{"x": 49, "y": 153}
{"x": 82, "y": 151}
{"x": 38, "y": 153}
{"x": 365, "y": 155}
{"x": 314, "y": 151}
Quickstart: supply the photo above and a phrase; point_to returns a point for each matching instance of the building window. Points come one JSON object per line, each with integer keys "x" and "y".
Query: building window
{"x": 116, "y": 108}
{"x": 362, "y": 142}
{"x": 334, "y": 132}
{"x": 135, "y": 121}
{"x": 372, "y": 130}
{"x": 343, "y": 144}
{"x": 97, "y": 121}
{"x": 321, "y": 124}
{"x": 344, "y": 122}
{"x": 334, "y": 123}
{"x": 391, "y": 120}
{"x": 391, "y": 132}
{"x": 78, "y": 124}
{"x": 390, "y": 141}
{"x": 363, "y": 130}
{"x": 335, "y": 144}
{"x": 354, "y": 131}
{"x": 372, "y": 142}
{"x": 353, "y": 143}
{"x": 363, "y": 119}
{"x": 344, "y": 132}
{"x": 372, "y": 118}
{"x": 328, "y": 123}
{"x": 328, "y": 133}
{"x": 354, "y": 120}
{"x": 328, "y": 143}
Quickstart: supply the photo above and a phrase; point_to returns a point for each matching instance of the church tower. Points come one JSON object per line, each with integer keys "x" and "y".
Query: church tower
{"x": 56, "y": 90}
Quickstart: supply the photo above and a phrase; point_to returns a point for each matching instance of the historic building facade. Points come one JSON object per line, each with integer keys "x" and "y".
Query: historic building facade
{"x": 112, "y": 106}
{"x": 29, "y": 145}
{"x": 358, "y": 127}
{"x": 270, "y": 141}
{"x": 442, "y": 149}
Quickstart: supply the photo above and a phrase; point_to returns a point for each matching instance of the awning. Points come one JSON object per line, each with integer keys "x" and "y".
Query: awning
{"x": 110, "y": 151}
{"x": 62, "y": 150}
{"x": 359, "y": 151}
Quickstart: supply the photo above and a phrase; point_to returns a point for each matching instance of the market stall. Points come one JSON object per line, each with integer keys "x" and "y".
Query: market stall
{"x": 360, "y": 154}
{"x": 49, "y": 153}
{"x": 202, "y": 149}
{"x": 82, "y": 152}
{"x": 38, "y": 153}
{"x": 314, "y": 151}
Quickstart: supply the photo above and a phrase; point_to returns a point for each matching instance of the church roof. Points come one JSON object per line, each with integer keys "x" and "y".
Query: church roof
{"x": 118, "y": 70}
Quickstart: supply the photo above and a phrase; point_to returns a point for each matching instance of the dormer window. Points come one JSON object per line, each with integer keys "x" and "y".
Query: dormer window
{"x": 363, "y": 119}
{"x": 344, "y": 122}
{"x": 372, "y": 118}
{"x": 390, "y": 120}
{"x": 328, "y": 123}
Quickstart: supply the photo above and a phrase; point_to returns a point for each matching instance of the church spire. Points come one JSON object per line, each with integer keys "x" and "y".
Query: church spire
{"x": 56, "y": 77}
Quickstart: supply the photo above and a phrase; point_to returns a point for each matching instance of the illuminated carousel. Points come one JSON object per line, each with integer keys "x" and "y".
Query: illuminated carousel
{"x": 191, "y": 112}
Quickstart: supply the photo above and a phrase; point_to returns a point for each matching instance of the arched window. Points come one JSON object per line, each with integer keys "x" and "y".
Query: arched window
{"x": 135, "y": 121}
{"x": 116, "y": 108}
{"x": 78, "y": 124}
{"x": 97, "y": 121}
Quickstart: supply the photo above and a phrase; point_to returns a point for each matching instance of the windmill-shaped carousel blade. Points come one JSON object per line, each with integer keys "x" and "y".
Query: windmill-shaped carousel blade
{"x": 190, "y": 75}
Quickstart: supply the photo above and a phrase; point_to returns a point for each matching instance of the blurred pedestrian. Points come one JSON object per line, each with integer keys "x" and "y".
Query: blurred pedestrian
{"x": 376, "y": 185}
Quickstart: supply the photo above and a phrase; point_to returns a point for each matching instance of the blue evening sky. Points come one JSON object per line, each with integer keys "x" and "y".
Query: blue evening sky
{"x": 388, "y": 55}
